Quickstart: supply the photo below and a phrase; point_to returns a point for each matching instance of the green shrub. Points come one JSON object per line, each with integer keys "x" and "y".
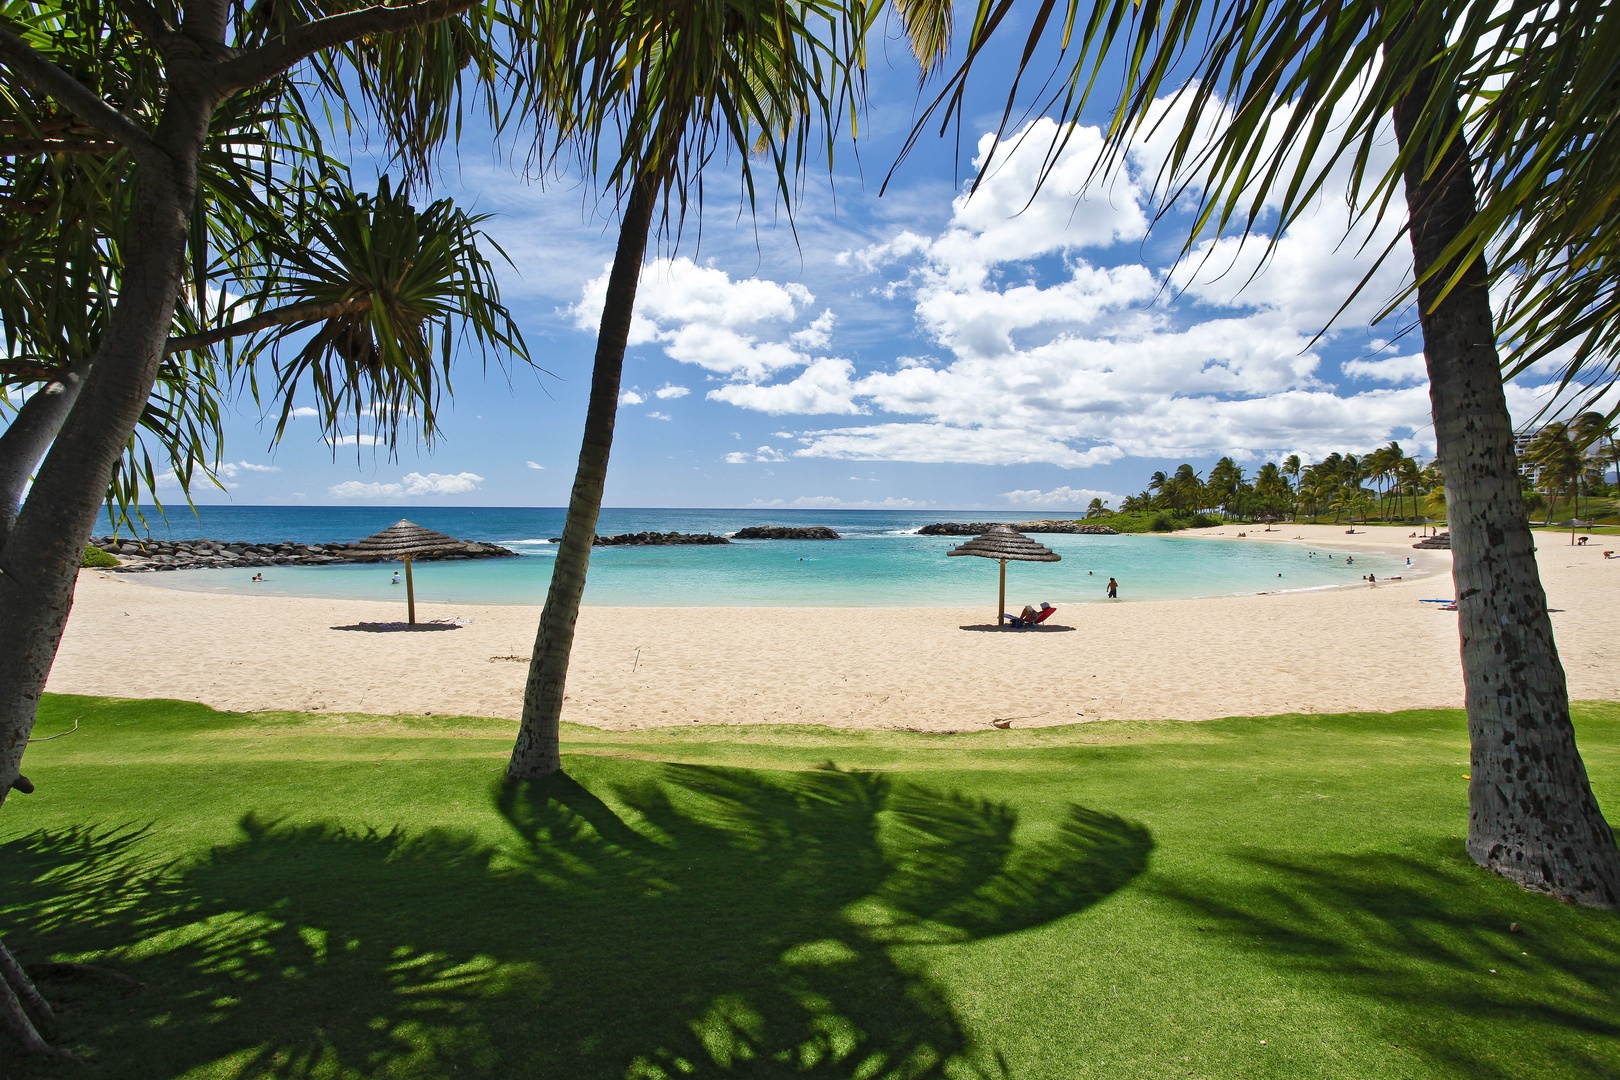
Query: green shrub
{"x": 96, "y": 559}
{"x": 1162, "y": 522}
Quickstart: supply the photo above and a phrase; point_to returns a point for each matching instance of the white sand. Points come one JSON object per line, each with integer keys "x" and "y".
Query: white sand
{"x": 925, "y": 668}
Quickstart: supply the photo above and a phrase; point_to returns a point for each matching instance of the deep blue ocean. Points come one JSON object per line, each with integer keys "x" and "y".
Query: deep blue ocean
{"x": 880, "y": 562}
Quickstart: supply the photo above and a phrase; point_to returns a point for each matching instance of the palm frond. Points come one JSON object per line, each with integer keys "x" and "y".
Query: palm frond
{"x": 1270, "y": 99}
{"x": 412, "y": 284}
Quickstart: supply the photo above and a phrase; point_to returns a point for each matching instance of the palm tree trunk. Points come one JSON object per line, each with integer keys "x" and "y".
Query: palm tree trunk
{"x": 39, "y": 562}
{"x": 1532, "y": 816}
{"x": 39, "y": 559}
{"x": 538, "y": 752}
{"x": 30, "y": 434}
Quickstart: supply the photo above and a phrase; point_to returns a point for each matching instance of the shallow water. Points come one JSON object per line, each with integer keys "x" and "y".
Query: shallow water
{"x": 881, "y": 562}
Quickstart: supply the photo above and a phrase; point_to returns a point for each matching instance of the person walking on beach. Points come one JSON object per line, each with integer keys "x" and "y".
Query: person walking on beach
{"x": 1113, "y": 589}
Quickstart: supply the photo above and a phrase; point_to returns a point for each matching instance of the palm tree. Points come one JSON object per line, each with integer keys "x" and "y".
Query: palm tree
{"x": 1096, "y": 509}
{"x": 1594, "y": 427}
{"x": 1408, "y": 476}
{"x": 1376, "y": 465}
{"x": 1184, "y": 491}
{"x": 672, "y": 84}
{"x": 1224, "y": 480}
{"x": 1270, "y": 487}
{"x": 1307, "y": 85}
{"x": 1557, "y": 465}
{"x": 1291, "y": 468}
{"x": 140, "y": 103}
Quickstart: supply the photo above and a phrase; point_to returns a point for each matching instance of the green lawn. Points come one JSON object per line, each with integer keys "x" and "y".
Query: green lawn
{"x": 331, "y": 896}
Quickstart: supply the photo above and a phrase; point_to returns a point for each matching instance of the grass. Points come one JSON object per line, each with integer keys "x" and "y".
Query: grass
{"x": 346, "y": 896}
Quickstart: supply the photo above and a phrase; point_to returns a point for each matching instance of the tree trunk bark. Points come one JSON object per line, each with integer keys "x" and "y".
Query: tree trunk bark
{"x": 17, "y": 998}
{"x": 29, "y": 436}
{"x": 41, "y": 555}
{"x": 1532, "y": 816}
{"x": 538, "y": 751}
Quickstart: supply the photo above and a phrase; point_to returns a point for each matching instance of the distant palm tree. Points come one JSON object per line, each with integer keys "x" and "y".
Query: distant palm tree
{"x": 1271, "y": 488}
{"x": 1186, "y": 489}
{"x": 1408, "y": 476}
{"x": 1096, "y": 509}
{"x": 1557, "y": 464}
{"x": 1136, "y": 504}
{"x": 1291, "y": 468}
{"x": 1160, "y": 485}
{"x": 1224, "y": 481}
{"x": 1594, "y": 427}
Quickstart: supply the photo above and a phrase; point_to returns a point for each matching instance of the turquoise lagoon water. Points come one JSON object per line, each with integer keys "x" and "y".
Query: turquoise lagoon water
{"x": 881, "y": 561}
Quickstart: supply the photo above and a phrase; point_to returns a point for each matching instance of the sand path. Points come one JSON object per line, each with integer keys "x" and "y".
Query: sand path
{"x": 924, "y": 668}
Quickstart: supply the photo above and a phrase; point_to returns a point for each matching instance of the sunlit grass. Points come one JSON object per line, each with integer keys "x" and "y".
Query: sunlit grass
{"x": 315, "y": 895}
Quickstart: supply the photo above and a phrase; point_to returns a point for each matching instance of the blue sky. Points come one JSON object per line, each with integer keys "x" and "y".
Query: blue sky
{"x": 919, "y": 350}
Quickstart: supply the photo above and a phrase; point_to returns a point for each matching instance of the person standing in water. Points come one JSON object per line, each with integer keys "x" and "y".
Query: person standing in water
{"x": 1113, "y": 589}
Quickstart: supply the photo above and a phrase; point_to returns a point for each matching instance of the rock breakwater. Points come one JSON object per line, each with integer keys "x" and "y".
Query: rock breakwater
{"x": 786, "y": 532}
{"x": 652, "y": 539}
{"x": 138, "y": 555}
{"x": 974, "y": 528}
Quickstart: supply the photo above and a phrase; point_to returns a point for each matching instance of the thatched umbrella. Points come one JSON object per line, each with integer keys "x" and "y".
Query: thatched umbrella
{"x": 1003, "y": 542}
{"x": 405, "y": 540}
{"x": 1573, "y": 524}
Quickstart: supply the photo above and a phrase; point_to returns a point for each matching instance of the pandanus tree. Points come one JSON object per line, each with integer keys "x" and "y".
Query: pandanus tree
{"x": 673, "y": 84}
{"x": 1506, "y": 142}
{"x": 153, "y": 157}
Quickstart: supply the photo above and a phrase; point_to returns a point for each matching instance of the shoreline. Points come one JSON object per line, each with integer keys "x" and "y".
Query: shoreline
{"x": 1423, "y": 564}
{"x": 1330, "y": 650}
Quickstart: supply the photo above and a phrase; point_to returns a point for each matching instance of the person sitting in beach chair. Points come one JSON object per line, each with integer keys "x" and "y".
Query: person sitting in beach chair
{"x": 1031, "y": 617}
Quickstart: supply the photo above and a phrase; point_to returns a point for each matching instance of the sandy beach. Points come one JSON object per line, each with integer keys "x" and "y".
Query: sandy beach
{"x": 933, "y": 669}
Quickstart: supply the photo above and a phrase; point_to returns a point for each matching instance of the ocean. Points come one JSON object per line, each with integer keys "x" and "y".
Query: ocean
{"x": 880, "y": 562}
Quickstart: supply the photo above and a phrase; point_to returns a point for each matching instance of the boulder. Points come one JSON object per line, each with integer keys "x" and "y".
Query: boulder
{"x": 655, "y": 539}
{"x": 957, "y": 528}
{"x": 786, "y": 532}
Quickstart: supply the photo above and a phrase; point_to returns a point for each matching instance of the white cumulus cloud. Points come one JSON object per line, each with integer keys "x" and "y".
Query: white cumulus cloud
{"x": 232, "y": 469}
{"x": 1060, "y": 498}
{"x": 413, "y": 484}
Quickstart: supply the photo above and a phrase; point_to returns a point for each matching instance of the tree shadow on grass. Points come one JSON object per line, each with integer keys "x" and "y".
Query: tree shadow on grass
{"x": 719, "y": 922}
{"x": 1433, "y": 938}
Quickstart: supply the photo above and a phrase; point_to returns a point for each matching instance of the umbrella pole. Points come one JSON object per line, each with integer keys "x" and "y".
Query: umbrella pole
{"x": 1001, "y": 600}
{"x": 410, "y": 593}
